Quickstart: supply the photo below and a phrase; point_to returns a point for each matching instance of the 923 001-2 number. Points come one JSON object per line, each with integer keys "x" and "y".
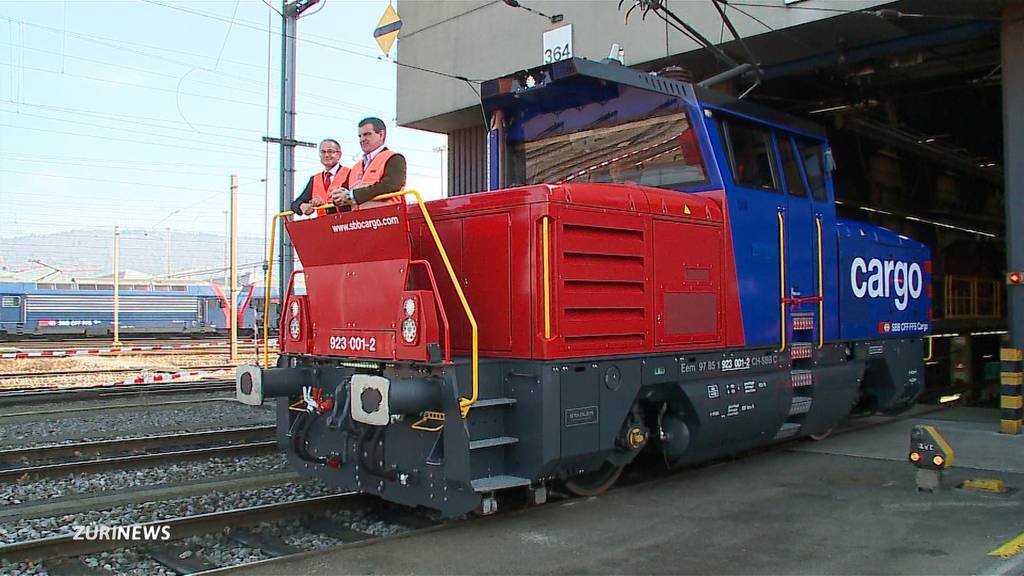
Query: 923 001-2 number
{"x": 353, "y": 343}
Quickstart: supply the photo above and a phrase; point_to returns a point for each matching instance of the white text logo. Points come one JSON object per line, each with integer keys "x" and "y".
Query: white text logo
{"x": 883, "y": 279}
{"x": 364, "y": 224}
{"x": 135, "y": 532}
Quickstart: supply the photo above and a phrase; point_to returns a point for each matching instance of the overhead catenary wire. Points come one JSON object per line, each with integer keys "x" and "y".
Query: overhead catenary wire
{"x": 161, "y": 54}
{"x": 732, "y": 30}
{"x": 227, "y": 35}
{"x": 120, "y": 127}
{"x": 139, "y": 120}
{"x": 881, "y": 13}
{"x": 307, "y": 40}
{"x": 662, "y": 11}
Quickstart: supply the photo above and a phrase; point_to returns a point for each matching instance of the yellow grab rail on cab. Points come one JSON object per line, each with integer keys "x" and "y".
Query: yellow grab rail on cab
{"x": 464, "y": 403}
{"x": 266, "y": 287}
{"x": 547, "y": 279}
{"x": 782, "y": 282}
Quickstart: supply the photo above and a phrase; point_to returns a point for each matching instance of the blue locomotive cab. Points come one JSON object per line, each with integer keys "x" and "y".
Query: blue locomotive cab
{"x": 12, "y": 309}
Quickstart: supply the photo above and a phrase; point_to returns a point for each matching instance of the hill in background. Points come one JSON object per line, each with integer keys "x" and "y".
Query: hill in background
{"x": 86, "y": 253}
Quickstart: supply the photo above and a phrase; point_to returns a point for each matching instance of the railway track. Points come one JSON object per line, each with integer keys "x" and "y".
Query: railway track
{"x": 37, "y": 344}
{"x": 60, "y": 459}
{"x": 165, "y": 542}
{"x": 67, "y": 546}
{"x": 24, "y": 396}
{"x": 134, "y": 461}
{"x": 35, "y": 374}
{"x": 231, "y": 528}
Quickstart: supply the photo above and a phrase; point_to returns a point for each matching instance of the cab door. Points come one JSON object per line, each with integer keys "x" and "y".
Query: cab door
{"x": 800, "y": 240}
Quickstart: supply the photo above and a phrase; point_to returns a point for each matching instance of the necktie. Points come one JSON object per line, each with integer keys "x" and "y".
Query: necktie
{"x": 366, "y": 162}
{"x": 327, "y": 180}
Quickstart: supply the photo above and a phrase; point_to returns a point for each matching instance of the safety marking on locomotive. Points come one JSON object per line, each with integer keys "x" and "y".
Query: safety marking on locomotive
{"x": 748, "y": 387}
{"x": 694, "y": 366}
{"x": 581, "y": 416}
{"x": 732, "y": 410}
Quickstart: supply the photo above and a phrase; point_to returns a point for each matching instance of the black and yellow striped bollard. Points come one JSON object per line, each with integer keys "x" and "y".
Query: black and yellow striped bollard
{"x": 1011, "y": 402}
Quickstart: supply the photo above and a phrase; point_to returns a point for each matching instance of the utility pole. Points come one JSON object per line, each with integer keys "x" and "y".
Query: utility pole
{"x": 117, "y": 284}
{"x": 168, "y": 229}
{"x": 233, "y": 282}
{"x": 227, "y": 243}
{"x": 289, "y": 25}
{"x": 444, "y": 169}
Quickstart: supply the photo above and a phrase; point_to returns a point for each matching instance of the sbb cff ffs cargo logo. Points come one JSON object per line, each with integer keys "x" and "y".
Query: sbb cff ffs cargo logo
{"x": 894, "y": 279}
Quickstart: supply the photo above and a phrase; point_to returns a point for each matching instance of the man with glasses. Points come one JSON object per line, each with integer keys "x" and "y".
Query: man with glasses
{"x": 379, "y": 171}
{"x": 318, "y": 189}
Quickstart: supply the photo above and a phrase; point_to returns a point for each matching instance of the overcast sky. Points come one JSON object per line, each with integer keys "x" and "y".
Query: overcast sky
{"x": 136, "y": 112}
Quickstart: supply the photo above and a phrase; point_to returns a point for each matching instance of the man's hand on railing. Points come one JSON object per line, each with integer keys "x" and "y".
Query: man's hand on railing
{"x": 342, "y": 197}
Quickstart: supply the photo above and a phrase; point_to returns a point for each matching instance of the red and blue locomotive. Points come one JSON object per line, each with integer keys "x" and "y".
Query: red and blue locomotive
{"x": 657, "y": 267}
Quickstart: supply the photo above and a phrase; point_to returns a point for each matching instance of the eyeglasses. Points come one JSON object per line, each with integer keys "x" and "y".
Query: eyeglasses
{"x": 330, "y": 152}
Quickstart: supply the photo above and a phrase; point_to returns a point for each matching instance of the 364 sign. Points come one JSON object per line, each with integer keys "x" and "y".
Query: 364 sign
{"x": 558, "y": 44}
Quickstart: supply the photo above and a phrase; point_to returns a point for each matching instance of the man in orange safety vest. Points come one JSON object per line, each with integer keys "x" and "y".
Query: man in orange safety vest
{"x": 318, "y": 189}
{"x": 379, "y": 171}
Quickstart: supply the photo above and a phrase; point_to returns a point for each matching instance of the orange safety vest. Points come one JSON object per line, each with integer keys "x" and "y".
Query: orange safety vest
{"x": 372, "y": 175}
{"x": 322, "y": 195}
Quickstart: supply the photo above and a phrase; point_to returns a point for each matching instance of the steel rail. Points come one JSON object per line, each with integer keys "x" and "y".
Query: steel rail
{"x": 84, "y": 393}
{"x": 66, "y": 546}
{"x": 99, "y": 447}
{"x": 147, "y": 405}
{"x": 127, "y": 462}
{"x": 154, "y": 369}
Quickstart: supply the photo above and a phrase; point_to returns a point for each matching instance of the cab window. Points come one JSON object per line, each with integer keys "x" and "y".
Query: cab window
{"x": 790, "y": 169}
{"x": 660, "y": 151}
{"x": 750, "y": 155}
{"x": 814, "y": 168}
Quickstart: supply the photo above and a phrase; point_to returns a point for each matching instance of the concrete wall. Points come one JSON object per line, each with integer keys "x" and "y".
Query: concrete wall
{"x": 482, "y": 39}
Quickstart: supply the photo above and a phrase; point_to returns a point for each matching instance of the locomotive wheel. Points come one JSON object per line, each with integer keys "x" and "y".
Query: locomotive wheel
{"x": 594, "y": 483}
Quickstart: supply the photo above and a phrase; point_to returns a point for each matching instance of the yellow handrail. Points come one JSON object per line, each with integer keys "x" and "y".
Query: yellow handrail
{"x": 464, "y": 403}
{"x": 782, "y": 282}
{"x": 266, "y": 287}
{"x": 931, "y": 350}
{"x": 547, "y": 280}
{"x": 821, "y": 291}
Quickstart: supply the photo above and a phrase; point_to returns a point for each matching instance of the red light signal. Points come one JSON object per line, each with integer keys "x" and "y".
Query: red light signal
{"x": 1014, "y": 278}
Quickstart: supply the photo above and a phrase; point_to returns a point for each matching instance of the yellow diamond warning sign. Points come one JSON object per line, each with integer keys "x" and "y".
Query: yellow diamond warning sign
{"x": 387, "y": 29}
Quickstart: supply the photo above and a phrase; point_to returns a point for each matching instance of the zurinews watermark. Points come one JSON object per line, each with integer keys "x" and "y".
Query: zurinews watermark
{"x": 133, "y": 532}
